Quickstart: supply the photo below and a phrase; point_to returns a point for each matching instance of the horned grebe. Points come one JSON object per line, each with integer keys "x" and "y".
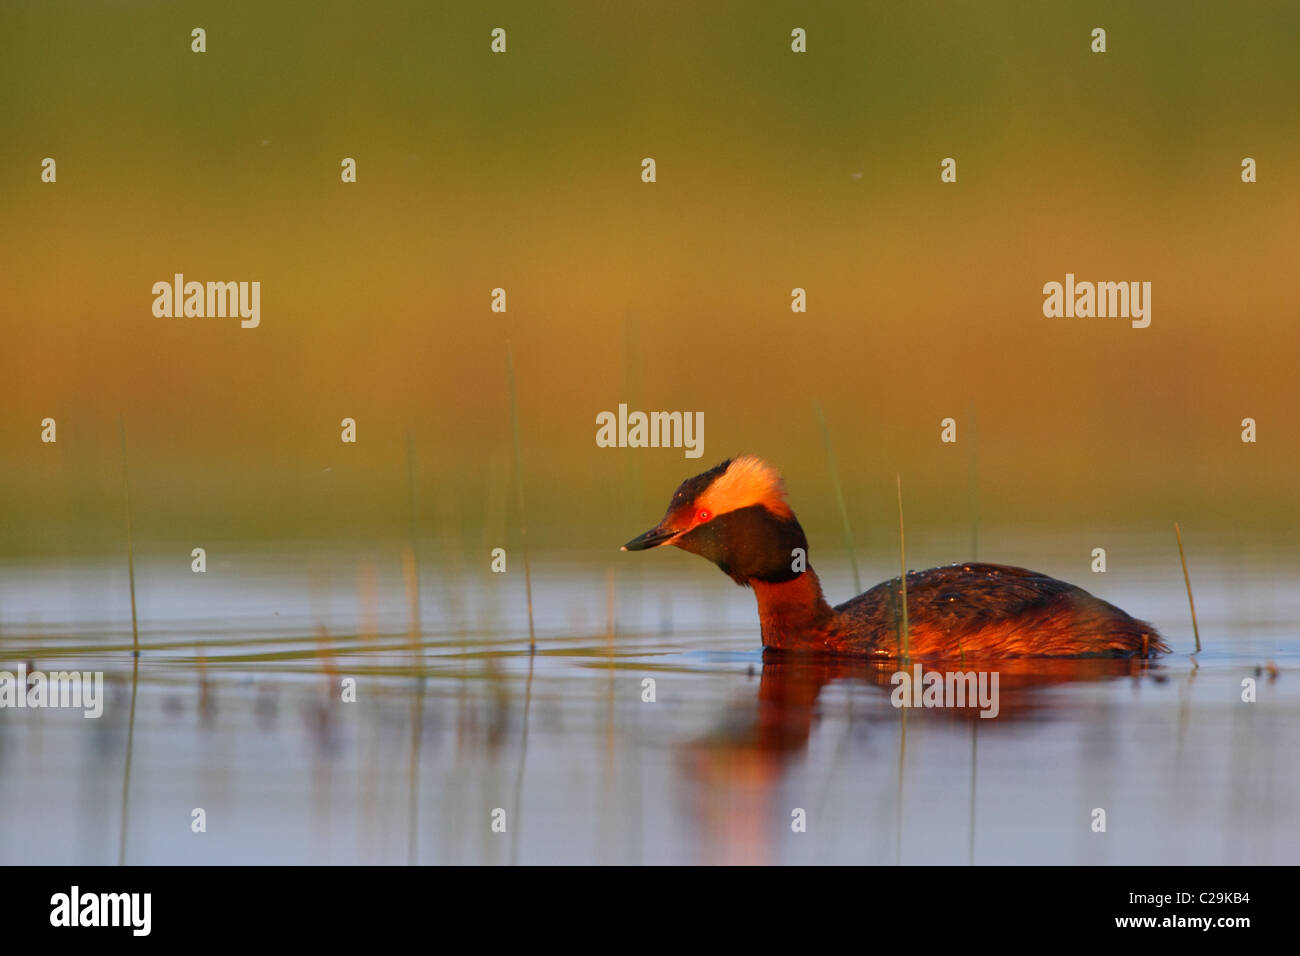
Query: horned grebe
{"x": 736, "y": 515}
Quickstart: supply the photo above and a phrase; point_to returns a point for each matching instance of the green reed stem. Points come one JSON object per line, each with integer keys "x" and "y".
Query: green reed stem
{"x": 130, "y": 544}
{"x": 902, "y": 563}
{"x": 1188, "y": 581}
{"x": 519, "y": 489}
{"x": 839, "y": 498}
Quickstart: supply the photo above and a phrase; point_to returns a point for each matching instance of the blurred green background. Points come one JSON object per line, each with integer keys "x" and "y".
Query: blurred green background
{"x": 522, "y": 171}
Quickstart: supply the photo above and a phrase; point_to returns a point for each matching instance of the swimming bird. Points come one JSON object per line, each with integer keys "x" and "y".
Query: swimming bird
{"x": 736, "y": 515}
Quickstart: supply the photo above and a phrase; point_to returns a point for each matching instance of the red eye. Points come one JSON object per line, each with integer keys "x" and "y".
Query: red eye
{"x": 702, "y": 516}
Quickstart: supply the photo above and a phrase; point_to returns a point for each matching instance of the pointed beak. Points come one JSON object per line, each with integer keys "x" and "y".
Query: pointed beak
{"x": 651, "y": 539}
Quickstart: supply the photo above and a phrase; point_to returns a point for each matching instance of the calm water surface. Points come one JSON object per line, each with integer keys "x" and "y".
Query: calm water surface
{"x": 238, "y": 711}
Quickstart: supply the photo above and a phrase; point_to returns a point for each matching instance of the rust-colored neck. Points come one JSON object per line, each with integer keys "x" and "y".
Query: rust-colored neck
{"x": 794, "y": 614}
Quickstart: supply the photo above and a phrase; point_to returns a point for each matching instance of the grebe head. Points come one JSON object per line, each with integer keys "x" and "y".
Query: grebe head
{"x": 734, "y": 514}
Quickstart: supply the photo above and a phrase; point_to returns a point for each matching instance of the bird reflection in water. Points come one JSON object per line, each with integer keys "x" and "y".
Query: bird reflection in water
{"x": 736, "y": 769}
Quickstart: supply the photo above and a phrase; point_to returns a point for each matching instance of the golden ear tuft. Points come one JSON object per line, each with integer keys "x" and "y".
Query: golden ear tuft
{"x": 748, "y": 480}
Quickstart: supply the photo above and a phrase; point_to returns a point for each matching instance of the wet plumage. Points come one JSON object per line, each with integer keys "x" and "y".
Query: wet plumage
{"x": 736, "y": 516}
